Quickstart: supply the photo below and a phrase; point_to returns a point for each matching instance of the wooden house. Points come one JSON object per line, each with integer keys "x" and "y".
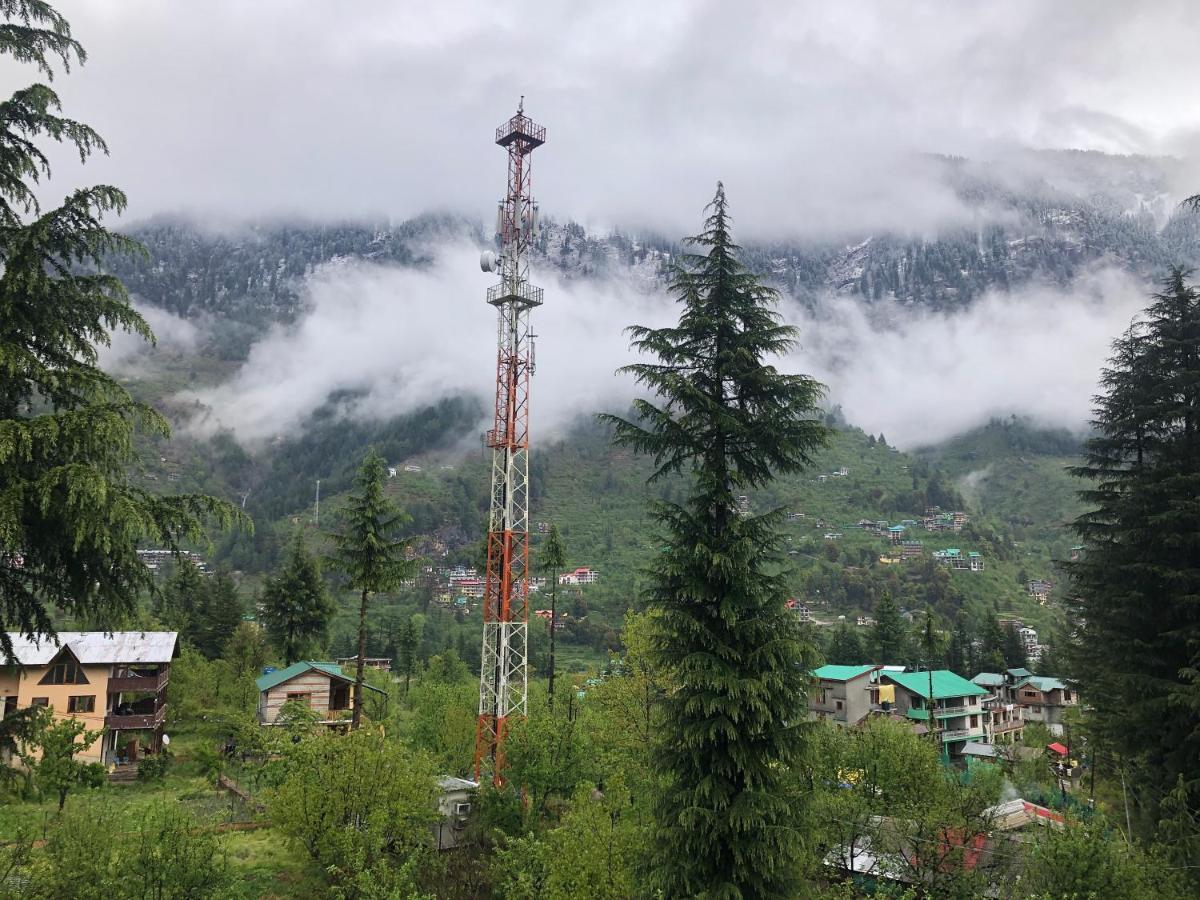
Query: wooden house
{"x": 319, "y": 686}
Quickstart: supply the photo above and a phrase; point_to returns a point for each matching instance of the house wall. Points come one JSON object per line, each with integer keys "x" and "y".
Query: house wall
{"x": 313, "y": 682}
{"x": 854, "y": 696}
{"x": 25, "y": 685}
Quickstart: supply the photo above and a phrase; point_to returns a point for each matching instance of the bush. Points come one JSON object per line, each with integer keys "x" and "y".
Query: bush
{"x": 154, "y": 768}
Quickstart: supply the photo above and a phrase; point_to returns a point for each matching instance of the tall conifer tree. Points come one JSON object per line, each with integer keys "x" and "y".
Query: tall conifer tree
{"x": 295, "y": 606}
{"x": 369, "y": 553}
{"x": 733, "y": 656}
{"x": 1135, "y": 592}
{"x": 552, "y": 559}
{"x": 70, "y": 518}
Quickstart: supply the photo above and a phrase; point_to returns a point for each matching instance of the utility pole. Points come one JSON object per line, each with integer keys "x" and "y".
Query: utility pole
{"x": 504, "y": 664}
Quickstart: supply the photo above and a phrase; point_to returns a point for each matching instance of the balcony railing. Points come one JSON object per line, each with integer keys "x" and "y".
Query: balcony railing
{"x": 955, "y": 733}
{"x": 134, "y": 721}
{"x": 131, "y": 683}
{"x": 1013, "y": 725}
{"x": 523, "y": 294}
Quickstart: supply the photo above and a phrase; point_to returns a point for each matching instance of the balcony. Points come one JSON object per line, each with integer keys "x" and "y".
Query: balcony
{"x": 955, "y": 734}
{"x": 1005, "y": 727}
{"x": 135, "y": 721}
{"x": 130, "y": 683}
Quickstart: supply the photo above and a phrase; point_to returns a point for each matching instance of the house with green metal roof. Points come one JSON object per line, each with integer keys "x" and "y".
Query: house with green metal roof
{"x": 955, "y": 703}
{"x": 319, "y": 686}
{"x": 843, "y": 694}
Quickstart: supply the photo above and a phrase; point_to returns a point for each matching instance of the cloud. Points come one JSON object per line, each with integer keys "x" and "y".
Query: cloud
{"x": 921, "y": 377}
{"x": 814, "y": 114}
{"x": 400, "y": 338}
{"x": 128, "y": 354}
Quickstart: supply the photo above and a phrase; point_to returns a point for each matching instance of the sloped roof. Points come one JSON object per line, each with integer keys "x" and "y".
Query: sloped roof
{"x": 980, "y": 749}
{"x": 1043, "y": 683}
{"x": 279, "y": 676}
{"x": 99, "y": 647}
{"x": 988, "y": 679}
{"x": 1019, "y": 673}
{"x": 945, "y": 684}
{"x": 842, "y": 673}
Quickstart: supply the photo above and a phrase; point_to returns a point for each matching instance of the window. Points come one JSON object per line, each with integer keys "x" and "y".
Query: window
{"x": 461, "y": 809}
{"x": 40, "y": 701}
{"x": 82, "y": 704}
{"x": 974, "y": 721}
{"x": 65, "y": 671}
{"x": 339, "y": 695}
{"x": 302, "y": 698}
{"x": 1066, "y": 696}
{"x": 1035, "y": 709}
{"x": 839, "y": 705}
{"x": 1030, "y": 694}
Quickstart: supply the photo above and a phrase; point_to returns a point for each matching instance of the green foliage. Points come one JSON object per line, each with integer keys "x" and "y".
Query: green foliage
{"x": 212, "y": 691}
{"x": 295, "y": 606}
{"x": 443, "y": 703}
{"x": 93, "y": 853}
{"x": 1085, "y": 860}
{"x": 67, "y": 428}
{"x": 154, "y": 768}
{"x": 367, "y": 551}
{"x": 888, "y": 638}
{"x": 50, "y": 754}
{"x": 552, "y": 559}
{"x": 1141, "y": 545}
{"x": 731, "y": 652}
{"x": 356, "y": 802}
{"x": 407, "y": 646}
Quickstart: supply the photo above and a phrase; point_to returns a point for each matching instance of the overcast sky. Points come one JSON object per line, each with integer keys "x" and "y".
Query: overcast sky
{"x": 810, "y": 112}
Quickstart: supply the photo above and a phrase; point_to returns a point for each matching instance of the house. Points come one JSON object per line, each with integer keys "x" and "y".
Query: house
{"x": 800, "y": 609}
{"x": 912, "y": 550}
{"x": 411, "y": 468}
{"x": 116, "y": 682}
{"x": 454, "y": 805}
{"x": 391, "y": 471}
{"x": 320, "y": 686}
{"x": 1045, "y": 700}
{"x": 582, "y": 575}
{"x": 1002, "y": 722}
{"x": 958, "y": 712}
{"x": 843, "y": 693}
{"x": 896, "y": 534}
{"x": 1039, "y": 590}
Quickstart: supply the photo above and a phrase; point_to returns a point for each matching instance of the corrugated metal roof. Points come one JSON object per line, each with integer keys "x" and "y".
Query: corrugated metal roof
{"x": 841, "y": 673}
{"x": 989, "y": 679}
{"x": 278, "y": 677}
{"x": 1043, "y": 683}
{"x": 945, "y": 684}
{"x": 99, "y": 647}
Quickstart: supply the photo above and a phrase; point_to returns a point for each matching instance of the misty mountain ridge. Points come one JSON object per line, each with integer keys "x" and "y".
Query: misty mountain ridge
{"x": 1042, "y": 218}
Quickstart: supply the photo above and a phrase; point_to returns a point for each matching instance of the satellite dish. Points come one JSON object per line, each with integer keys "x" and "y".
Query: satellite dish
{"x": 487, "y": 261}
{"x": 166, "y": 740}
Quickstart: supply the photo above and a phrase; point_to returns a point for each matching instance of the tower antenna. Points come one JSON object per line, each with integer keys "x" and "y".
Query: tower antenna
{"x": 504, "y": 667}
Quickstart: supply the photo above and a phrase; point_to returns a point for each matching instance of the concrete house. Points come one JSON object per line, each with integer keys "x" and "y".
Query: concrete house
{"x": 454, "y": 805}
{"x": 320, "y": 686}
{"x": 1045, "y": 700}
{"x": 956, "y": 704}
{"x": 843, "y": 694}
{"x": 112, "y": 682}
{"x": 1003, "y": 722}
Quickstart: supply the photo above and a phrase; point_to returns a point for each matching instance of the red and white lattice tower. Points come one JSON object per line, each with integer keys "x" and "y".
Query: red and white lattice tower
{"x": 504, "y": 671}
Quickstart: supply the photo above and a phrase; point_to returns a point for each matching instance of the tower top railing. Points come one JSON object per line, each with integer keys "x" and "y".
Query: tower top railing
{"x": 521, "y": 128}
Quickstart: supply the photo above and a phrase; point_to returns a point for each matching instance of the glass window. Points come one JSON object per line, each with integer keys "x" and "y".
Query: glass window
{"x": 84, "y": 704}
{"x": 40, "y": 701}
{"x": 65, "y": 671}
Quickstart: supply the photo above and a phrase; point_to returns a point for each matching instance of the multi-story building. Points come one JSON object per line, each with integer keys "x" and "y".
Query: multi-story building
{"x": 582, "y": 575}
{"x": 843, "y": 694}
{"x": 1003, "y": 722}
{"x": 1045, "y": 700}
{"x": 956, "y": 704}
{"x": 112, "y": 682}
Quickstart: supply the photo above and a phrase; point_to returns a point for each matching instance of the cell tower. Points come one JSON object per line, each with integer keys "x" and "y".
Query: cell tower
{"x": 503, "y": 674}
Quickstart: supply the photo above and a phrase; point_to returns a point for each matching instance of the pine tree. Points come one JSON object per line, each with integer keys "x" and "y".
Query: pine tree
{"x": 552, "y": 559}
{"x": 734, "y": 657}
{"x": 887, "y": 634}
{"x": 845, "y": 649}
{"x": 70, "y": 518}
{"x": 368, "y": 553}
{"x": 295, "y": 608}
{"x": 1135, "y": 591}
{"x": 178, "y": 605}
{"x": 220, "y": 613}
{"x": 407, "y": 643}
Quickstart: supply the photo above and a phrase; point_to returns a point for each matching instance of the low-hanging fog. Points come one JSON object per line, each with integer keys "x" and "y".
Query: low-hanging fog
{"x": 400, "y": 338}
